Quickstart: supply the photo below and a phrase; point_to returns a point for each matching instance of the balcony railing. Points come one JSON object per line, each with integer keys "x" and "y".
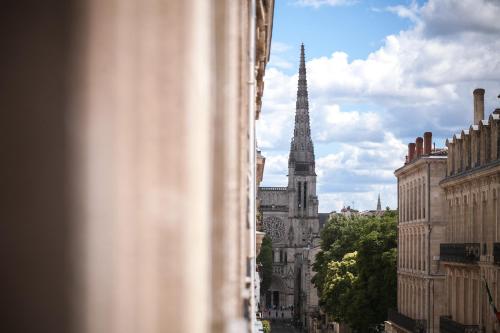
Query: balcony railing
{"x": 447, "y": 325}
{"x": 496, "y": 253}
{"x": 460, "y": 252}
{"x": 409, "y": 324}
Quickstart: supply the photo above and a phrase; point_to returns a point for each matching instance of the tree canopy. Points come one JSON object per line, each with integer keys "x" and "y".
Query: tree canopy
{"x": 356, "y": 269}
{"x": 265, "y": 261}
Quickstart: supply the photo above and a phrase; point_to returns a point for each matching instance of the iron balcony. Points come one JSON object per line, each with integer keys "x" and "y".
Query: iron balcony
{"x": 460, "y": 252}
{"x": 448, "y": 325}
{"x": 407, "y": 323}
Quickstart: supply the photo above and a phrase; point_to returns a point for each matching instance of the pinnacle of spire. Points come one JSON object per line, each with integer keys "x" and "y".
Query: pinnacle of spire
{"x": 302, "y": 96}
{"x": 302, "y": 149}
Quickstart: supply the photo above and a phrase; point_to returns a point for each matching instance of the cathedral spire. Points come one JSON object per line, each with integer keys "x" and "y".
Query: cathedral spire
{"x": 301, "y": 148}
{"x": 302, "y": 97}
{"x": 379, "y": 206}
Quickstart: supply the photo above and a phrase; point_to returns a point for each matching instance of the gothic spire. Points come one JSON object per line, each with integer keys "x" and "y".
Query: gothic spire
{"x": 301, "y": 148}
{"x": 379, "y": 206}
{"x": 302, "y": 97}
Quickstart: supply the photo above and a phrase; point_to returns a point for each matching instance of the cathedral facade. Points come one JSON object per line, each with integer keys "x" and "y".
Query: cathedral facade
{"x": 290, "y": 219}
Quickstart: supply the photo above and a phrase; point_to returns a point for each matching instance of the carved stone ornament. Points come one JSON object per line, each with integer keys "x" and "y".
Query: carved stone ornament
{"x": 274, "y": 227}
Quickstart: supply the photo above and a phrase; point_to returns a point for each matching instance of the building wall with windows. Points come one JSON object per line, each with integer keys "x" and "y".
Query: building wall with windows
{"x": 463, "y": 252}
{"x": 420, "y": 230}
{"x": 471, "y": 253}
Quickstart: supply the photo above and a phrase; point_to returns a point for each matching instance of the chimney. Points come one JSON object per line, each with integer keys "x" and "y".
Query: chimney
{"x": 420, "y": 145}
{"x": 478, "y": 105}
{"x": 427, "y": 143}
{"x": 411, "y": 152}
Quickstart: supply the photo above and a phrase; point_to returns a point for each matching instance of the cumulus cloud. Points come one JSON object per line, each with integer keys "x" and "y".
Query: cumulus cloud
{"x": 275, "y": 126}
{"x": 465, "y": 16}
{"x": 420, "y": 79}
{"x": 409, "y": 12}
{"x": 280, "y": 56}
{"x": 332, "y": 125}
{"x": 276, "y": 169}
{"x": 360, "y": 167}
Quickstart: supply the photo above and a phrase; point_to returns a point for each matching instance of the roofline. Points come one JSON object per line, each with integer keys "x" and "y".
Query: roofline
{"x": 421, "y": 160}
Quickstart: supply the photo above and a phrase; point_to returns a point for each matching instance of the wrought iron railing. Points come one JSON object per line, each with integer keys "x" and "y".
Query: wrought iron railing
{"x": 496, "y": 253}
{"x": 448, "y": 325}
{"x": 409, "y": 324}
{"x": 460, "y": 252}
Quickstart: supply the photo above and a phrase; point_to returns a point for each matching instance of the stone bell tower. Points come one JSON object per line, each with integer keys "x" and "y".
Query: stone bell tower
{"x": 290, "y": 219}
{"x": 302, "y": 199}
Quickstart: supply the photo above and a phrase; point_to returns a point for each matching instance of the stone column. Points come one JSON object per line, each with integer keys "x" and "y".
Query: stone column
{"x": 145, "y": 144}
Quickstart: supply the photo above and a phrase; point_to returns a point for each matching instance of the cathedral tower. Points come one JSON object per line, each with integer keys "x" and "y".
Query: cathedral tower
{"x": 290, "y": 219}
{"x": 301, "y": 163}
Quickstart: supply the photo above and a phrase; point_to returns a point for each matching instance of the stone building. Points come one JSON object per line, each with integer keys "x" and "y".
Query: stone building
{"x": 470, "y": 254}
{"x": 449, "y": 237}
{"x": 129, "y": 153}
{"x": 421, "y": 229}
{"x": 290, "y": 218}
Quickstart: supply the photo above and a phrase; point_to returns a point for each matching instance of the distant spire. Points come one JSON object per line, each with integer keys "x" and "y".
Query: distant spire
{"x": 301, "y": 148}
{"x": 379, "y": 206}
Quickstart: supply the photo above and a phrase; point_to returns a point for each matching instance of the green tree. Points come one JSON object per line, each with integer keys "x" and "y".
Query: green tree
{"x": 266, "y": 326}
{"x": 265, "y": 261}
{"x": 340, "y": 279}
{"x": 338, "y": 237}
{"x": 356, "y": 269}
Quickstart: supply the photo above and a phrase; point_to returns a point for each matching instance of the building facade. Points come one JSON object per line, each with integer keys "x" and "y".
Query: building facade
{"x": 290, "y": 218}
{"x": 421, "y": 229}
{"x": 130, "y": 154}
{"x": 449, "y": 237}
{"x": 471, "y": 252}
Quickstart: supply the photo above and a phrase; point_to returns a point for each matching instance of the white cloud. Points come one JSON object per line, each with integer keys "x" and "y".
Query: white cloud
{"x": 409, "y": 12}
{"x": 333, "y": 125}
{"x": 275, "y": 126}
{"x": 280, "y": 47}
{"x": 277, "y": 164}
{"x": 461, "y": 16}
{"x": 420, "y": 79}
{"x": 358, "y": 172}
{"x": 280, "y": 62}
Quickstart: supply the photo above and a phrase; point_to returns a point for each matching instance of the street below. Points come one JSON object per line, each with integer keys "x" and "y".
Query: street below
{"x": 283, "y": 327}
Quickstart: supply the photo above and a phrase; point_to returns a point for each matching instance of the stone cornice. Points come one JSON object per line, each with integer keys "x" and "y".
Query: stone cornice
{"x": 489, "y": 169}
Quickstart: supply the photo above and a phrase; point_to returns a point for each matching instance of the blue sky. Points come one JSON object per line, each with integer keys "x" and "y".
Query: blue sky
{"x": 380, "y": 73}
{"x": 357, "y": 29}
